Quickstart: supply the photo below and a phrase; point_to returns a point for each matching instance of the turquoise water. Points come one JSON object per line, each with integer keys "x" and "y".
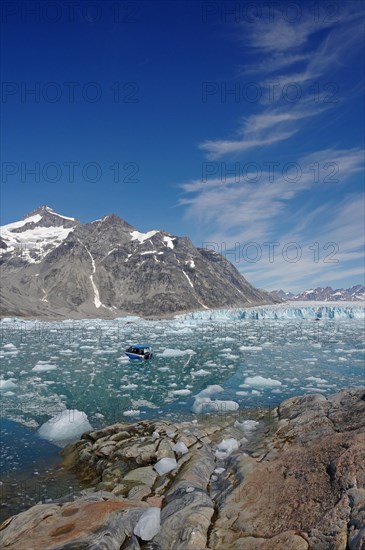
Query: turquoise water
{"x": 48, "y": 367}
{"x": 29, "y": 469}
{"x": 81, "y": 364}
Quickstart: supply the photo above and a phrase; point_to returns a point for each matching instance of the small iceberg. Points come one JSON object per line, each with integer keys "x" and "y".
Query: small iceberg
{"x": 260, "y": 381}
{"x": 168, "y": 352}
{"x": 204, "y": 404}
{"x": 65, "y": 427}
{"x": 7, "y": 384}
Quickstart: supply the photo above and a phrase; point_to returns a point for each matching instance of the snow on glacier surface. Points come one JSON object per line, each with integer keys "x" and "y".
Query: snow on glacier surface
{"x": 226, "y": 361}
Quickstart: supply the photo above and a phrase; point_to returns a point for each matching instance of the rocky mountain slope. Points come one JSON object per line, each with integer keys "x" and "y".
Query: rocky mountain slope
{"x": 326, "y": 294}
{"x": 295, "y": 479}
{"x": 53, "y": 266}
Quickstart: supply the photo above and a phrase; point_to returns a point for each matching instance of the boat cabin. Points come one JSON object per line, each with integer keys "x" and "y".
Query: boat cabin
{"x": 139, "y": 352}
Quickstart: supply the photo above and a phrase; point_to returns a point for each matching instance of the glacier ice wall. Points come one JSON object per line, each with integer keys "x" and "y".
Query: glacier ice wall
{"x": 297, "y": 310}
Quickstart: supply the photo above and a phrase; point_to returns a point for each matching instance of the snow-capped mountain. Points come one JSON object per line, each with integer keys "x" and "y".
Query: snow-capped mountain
{"x": 36, "y": 234}
{"x": 54, "y": 266}
{"x": 326, "y": 294}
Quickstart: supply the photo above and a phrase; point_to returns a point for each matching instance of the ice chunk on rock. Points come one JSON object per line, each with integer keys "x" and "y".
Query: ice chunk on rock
{"x": 148, "y": 524}
{"x": 206, "y": 405}
{"x": 65, "y": 427}
{"x": 247, "y": 426}
{"x": 180, "y": 448}
{"x": 226, "y": 447}
{"x": 165, "y": 465}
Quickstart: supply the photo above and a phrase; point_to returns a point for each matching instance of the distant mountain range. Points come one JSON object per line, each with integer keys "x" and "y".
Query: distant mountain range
{"x": 326, "y": 294}
{"x": 53, "y": 266}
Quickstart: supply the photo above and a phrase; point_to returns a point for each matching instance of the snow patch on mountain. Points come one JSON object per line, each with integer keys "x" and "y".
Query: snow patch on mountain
{"x": 188, "y": 278}
{"x": 97, "y": 300}
{"x": 326, "y": 294}
{"x": 32, "y": 238}
{"x": 169, "y": 241}
{"x": 141, "y": 237}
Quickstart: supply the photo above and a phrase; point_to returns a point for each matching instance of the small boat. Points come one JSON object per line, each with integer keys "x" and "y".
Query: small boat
{"x": 139, "y": 352}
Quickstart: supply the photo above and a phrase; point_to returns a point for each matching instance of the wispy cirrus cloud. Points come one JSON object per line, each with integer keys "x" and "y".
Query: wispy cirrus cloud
{"x": 231, "y": 211}
{"x": 333, "y": 250}
{"x": 322, "y": 211}
{"x": 285, "y": 45}
{"x": 218, "y": 148}
{"x": 263, "y": 129}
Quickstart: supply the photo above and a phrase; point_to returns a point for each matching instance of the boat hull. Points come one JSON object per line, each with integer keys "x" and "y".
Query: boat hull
{"x": 136, "y": 356}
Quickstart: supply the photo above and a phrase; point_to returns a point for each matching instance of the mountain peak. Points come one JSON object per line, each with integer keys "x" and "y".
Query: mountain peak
{"x": 46, "y": 212}
{"x": 113, "y": 219}
{"x": 107, "y": 268}
{"x": 326, "y": 294}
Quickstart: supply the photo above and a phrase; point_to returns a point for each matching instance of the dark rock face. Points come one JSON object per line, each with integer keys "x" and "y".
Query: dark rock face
{"x": 299, "y": 484}
{"x": 56, "y": 267}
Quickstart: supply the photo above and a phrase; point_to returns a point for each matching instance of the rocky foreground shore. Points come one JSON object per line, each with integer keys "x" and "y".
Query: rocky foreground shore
{"x": 294, "y": 480}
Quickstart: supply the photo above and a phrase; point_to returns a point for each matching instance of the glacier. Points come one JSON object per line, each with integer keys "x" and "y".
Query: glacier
{"x": 294, "y": 310}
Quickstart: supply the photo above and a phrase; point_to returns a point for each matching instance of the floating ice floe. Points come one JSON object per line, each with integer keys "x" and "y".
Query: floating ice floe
{"x": 204, "y": 404}
{"x": 132, "y": 412}
{"x": 317, "y": 380}
{"x": 260, "y": 381}
{"x": 148, "y": 524}
{"x": 65, "y": 427}
{"x": 165, "y": 465}
{"x": 210, "y": 390}
{"x": 168, "y": 352}
{"x": 7, "y": 384}
{"x": 10, "y": 347}
{"x": 43, "y": 366}
{"x": 181, "y": 392}
{"x": 200, "y": 372}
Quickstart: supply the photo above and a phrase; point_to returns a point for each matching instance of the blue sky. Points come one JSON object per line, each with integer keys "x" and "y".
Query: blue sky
{"x": 238, "y": 124}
